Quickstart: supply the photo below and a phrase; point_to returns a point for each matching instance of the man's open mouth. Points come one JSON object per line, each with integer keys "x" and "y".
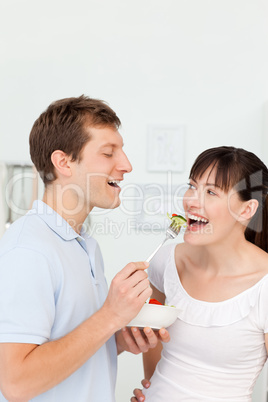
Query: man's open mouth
{"x": 114, "y": 183}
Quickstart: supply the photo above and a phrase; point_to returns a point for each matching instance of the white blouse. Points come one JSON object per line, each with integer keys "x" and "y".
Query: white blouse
{"x": 217, "y": 349}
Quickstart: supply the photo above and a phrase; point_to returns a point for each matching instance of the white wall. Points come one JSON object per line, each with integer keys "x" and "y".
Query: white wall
{"x": 199, "y": 63}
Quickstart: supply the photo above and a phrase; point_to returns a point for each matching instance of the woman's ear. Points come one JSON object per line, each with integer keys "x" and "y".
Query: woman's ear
{"x": 249, "y": 209}
{"x": 61, "y": 162}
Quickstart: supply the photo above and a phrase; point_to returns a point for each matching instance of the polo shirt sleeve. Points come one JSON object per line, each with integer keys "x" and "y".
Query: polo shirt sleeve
{"x": 27, "y": 303}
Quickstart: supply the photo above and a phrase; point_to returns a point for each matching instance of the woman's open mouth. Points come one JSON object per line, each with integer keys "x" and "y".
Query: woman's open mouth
{"x": 195, "y": 221}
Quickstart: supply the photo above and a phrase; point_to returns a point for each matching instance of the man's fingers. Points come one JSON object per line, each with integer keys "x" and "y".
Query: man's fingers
{"x": 131, "y": 267}
{"x": 135, "y": 278}
{"x": 142, "y": 289}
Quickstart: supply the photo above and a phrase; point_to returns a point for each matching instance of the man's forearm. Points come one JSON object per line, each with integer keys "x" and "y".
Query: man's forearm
{"x": 23, "y": 377}
{"x": 28, "y": 370}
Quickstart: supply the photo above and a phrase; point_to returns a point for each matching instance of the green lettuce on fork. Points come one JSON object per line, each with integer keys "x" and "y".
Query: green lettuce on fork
{"x": 177, "y": 220}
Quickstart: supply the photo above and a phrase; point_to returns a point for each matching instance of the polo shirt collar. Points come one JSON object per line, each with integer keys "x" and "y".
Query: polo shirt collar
{"x": 55, "y": 221}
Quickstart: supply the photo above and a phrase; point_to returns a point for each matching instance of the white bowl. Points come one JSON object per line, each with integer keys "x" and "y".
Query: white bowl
{"x": 155, "y": 316}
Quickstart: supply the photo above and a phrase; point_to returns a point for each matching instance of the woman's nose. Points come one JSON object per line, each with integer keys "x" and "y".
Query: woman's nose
{"x": 193, "y": 199}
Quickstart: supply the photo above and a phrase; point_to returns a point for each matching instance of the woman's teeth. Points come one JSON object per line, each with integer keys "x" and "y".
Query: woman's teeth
{"x": 194, "y": 219}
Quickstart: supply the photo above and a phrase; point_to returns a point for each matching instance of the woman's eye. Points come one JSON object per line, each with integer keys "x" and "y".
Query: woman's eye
{"x": 211, "y": 192}
{"x": 108, "y": 155}
{"x": 191, "y": 186}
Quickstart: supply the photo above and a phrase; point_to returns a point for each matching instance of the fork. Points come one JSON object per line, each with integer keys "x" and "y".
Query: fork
{"x": 172, "y": 232}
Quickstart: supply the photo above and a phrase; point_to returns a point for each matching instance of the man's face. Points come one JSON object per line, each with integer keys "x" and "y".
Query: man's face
{"x": 101, "y": 169}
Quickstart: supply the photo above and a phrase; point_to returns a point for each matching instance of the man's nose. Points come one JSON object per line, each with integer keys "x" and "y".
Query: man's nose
{"x": 124, "y": 165}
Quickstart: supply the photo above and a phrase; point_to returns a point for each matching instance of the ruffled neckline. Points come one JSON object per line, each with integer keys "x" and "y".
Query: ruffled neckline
{"x": 204, "y": 313}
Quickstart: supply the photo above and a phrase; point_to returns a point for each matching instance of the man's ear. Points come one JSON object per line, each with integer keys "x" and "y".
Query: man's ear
{"x": 61, "y": 162}
{"x": 249, "y": 209}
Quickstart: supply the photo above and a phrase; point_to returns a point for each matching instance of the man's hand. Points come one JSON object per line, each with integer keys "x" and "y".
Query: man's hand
{"x": 129, "y": 290}
{"x": 138, "y": 395}
{"x": 136, "y": 341}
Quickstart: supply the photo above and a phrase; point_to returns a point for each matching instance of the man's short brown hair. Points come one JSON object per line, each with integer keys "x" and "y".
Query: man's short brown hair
{"x": 62, "y": 127}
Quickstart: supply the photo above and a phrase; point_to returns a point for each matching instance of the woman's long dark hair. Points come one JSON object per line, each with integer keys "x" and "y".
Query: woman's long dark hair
{"x": 236, "y": 167}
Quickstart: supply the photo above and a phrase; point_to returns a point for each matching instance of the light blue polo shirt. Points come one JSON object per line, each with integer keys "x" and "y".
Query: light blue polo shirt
{"x": 51, "y": 280}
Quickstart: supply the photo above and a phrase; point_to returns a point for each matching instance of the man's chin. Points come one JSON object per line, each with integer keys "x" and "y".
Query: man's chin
{"x": 114, "y": 204}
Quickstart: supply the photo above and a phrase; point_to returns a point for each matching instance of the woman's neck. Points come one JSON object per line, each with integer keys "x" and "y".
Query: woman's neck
{"x": 224, "y": 259}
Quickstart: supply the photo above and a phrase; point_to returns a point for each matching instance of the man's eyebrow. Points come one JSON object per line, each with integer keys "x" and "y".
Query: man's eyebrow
{"x": 108, "y": 144}
{"x": 111, "y": 144}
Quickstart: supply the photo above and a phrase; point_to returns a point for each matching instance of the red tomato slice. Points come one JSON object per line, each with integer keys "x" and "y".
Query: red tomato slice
{"x": 154, "y": 301}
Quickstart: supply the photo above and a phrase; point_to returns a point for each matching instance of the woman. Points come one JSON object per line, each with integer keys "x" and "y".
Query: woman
{"x": 218, "y": 279}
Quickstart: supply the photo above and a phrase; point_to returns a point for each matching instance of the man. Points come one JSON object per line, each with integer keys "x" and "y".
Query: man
{"x": 59, "y": 325}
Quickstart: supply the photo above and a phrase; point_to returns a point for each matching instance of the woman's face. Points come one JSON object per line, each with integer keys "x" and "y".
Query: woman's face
{"x": 212, "y": 214}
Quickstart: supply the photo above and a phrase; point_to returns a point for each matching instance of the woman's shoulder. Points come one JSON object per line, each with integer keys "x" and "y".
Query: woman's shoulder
{"x": 183, "y": 248}
{"x": 263, "y": 264}
{"x": 161, "y": 266}
{"x": 164, "y": 255}
{"x": 258, "y": 258}
{"x": 185, "y": 252}
{"x": 178, "y": 253}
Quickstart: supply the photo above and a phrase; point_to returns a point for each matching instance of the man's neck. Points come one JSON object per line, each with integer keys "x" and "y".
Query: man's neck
{"x": 66, "y": 205}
